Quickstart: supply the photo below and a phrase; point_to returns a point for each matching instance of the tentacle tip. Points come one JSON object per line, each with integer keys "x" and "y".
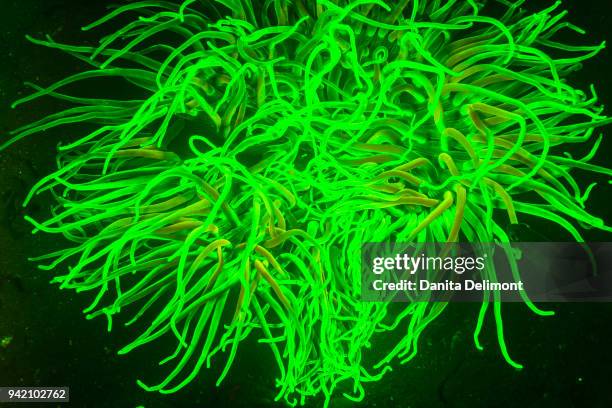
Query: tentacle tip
{"x": 143, "y": 386}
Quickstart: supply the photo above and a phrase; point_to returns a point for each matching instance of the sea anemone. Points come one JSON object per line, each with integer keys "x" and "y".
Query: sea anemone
{"x": 266, "y": 142}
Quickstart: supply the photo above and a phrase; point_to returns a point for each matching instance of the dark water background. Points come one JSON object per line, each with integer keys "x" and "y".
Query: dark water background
{"x": 567, "y": 357}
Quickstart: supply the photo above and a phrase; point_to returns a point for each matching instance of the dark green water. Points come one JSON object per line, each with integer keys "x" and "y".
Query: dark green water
{"x": 567, "y": 357}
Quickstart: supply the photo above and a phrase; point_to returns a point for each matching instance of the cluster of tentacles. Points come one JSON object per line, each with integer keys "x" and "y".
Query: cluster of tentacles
{"x": 327, "y": 124}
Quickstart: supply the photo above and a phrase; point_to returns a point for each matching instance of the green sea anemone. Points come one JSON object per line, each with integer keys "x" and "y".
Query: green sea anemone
{"x": 265, "y": 142}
